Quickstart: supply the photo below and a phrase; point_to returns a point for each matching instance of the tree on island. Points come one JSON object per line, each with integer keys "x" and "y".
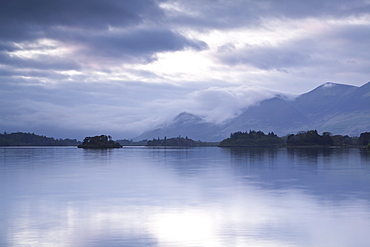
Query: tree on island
{"x": 310, "y": 138}
{"x": 101, "y": 141}
{"x": 252, "y": 139}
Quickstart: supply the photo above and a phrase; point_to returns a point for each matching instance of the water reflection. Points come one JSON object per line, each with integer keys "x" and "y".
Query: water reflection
{"x": 365, "y": 156}
{"x": 253, "y": 158}
{"x": 193, "y": 197}
{"x": 335, "y": 173}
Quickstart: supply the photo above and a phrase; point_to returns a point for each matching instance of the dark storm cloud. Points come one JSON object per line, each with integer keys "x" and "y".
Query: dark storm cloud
{"x": 87, "y": 25}
{"x": 40, "y": 15}
{"x": 7, "y": 46}
{"x": 21, "y": 18}
{"x": 25, "y": 19}
{"x": 135, "y": 45}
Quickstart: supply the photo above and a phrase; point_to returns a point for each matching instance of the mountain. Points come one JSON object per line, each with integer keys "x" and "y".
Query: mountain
{"x": 337, "y": 108}
{"x": 351, "y": 115}
{"x": 277, "y": 114}
{"x": 323, "y": 101}
{"x": 185, "y": 124}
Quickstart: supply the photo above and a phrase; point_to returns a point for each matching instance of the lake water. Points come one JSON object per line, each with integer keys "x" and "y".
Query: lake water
{"x": 139, "y": 196}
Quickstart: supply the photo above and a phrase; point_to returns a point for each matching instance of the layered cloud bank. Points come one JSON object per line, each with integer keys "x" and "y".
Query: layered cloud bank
{"x": 72, "y": 68}
{"x": 88, "y": 113}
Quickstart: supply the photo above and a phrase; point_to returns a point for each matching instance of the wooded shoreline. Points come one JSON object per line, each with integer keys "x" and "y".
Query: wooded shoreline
{"x": 303, "y": 139}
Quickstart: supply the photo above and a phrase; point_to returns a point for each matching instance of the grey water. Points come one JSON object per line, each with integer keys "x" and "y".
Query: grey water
{"x": 139, "y": 196}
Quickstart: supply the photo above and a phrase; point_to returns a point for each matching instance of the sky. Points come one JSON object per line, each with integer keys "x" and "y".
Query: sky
{"x": 70, "y": 69}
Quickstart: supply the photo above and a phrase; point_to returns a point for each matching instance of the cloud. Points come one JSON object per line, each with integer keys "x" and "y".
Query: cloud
{"x": 267, "y": 57}
{"x": 39, "y": 62}
{"x": 139, "y": 45}
{"x": 316, "y": 8}
{"x": 77, "y": 109}
{"x": 127, "y": 66}
{"x": 326, "y": 47}
{"x": 221, "y": 14}
{"x": 70, "y": 35}
{"x": 215, "y": 104}
{"x": 37, "y": 17}
{"x": 122, "y": 110}
{"x": 218, "y": 104}
{"x": 27, "y": 21}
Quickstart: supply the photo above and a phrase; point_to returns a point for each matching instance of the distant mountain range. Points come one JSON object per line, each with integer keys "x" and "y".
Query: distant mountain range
{"x": 337, "y": 108}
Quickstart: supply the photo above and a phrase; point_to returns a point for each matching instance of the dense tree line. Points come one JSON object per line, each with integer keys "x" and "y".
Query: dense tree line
{"x": 178, "y": 141}
{"x": 364, "y": 139}
{"x": 28, "y": 139}
{"x": 252, "y": 138}
{"x": 310, "y": 138}
{"x": 302, "y": 138}
{"x": 125, "y": 142}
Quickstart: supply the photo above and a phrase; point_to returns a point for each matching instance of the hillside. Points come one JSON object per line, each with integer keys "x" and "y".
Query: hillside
{"x": 331, "y": 107}
{"x": 186, "y": 124}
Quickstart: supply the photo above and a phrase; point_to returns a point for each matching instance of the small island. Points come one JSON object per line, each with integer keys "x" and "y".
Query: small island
{"x": 99, "y": 142}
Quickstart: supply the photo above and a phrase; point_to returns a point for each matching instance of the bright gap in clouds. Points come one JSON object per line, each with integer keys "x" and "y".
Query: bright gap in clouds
{"x": 181, "y": 66}
{"x": 207, "y": 65}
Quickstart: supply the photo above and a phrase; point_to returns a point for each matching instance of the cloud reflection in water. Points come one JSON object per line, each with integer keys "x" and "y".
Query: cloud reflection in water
{"x": 197, "y": 197}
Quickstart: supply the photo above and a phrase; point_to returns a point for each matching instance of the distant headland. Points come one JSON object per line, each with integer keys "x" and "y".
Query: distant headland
{"x": 31, "y": 139}
{"x": 309, "y": 138}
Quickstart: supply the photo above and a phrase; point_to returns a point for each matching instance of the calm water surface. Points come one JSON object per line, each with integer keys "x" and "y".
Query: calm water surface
{"x": 138, "y": 196}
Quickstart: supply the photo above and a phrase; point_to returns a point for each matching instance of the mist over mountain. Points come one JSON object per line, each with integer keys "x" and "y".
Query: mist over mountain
{"x": 186, "y": 124}
{"x": 332, "y": 107}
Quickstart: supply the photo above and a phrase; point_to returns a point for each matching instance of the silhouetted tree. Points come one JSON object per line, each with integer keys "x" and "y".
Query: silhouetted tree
{"x": 364, "y": 138}
{"x": 310, "y": 138}
{"x": 101, "y": 141}
{"x": 253, "y": 138}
